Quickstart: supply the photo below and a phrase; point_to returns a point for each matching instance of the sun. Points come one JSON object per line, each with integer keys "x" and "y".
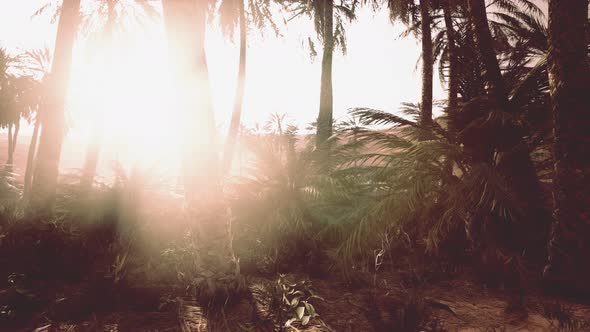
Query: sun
{"x": 121, "y": 90}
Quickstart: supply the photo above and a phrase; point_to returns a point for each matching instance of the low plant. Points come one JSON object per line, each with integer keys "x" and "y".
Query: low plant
{"x": 294, "y": 300}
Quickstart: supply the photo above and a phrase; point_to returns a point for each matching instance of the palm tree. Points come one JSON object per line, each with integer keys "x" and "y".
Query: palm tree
{"x": 518, "y": 37}
{"x": 569, "y": 78}
{"x": 324, "y": 122}
{"x": 185, "y": 22}
{"x": 116, "y": 14}
{"x": 451, "y": 55}
{"x": 52, "y": 116}
{"x": 513, "y": 159}
{"x": 33, "y": 66}
{"x": 31, "y": 154}
{"x": 507, "y": 26}
{"x": 483, "y": 37}
{"x": 37, "y": 63}
{"x": 418, "y": 18}
{"x": 234, "y": 125}
{"x": 217, "y": 270}
{"x": 233, "y": 13}
{"x": 93, "y": 149}
{"x": 328, "y": 18}
{"x": 7, "y": 100}
{"x": 23, "y": 106}
{"x": 427, "y": 62}
{"x": 17, "y": 99}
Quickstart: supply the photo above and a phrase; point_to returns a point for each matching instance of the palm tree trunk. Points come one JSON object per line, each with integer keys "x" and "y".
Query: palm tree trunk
{"x": 185, "y": 27}
{"x": 216, "y": 267}
{"x": 324, "y": 123}
{"x": 93, "y": 149}
{"x": 234, "y": 127}
{"x": 52, "y": 117}
{"x": 483, "y": 37}
{"x": 92, "y": 156}
{"x": 427, "y": 63}
{"x": 452, "y": 53}
{"x": 30, "y": 162}
{"x": 513, "y": 161}
{"x": 15, "y": 136}
{"x": 453, "y": 86}
{"x": 569, "y": 79}
{"x": 9, "y": 150}
{"x": 480, "y": 150}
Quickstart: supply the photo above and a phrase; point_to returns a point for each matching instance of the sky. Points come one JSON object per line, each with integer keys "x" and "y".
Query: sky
{"x": 128, "y": 89}
{"x": 379, "y": 69}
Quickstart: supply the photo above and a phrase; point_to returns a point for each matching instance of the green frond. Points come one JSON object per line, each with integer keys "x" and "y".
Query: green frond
{"x": 369, "y": 117}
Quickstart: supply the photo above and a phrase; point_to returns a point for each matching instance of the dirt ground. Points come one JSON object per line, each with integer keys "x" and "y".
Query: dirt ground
{"x": 456, "y": 305}
{"x": 381, "y": 303}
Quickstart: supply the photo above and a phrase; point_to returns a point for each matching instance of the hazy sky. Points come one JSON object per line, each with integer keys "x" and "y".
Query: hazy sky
{"x": 130, "y": 89}
{"x": 379, "y": 69}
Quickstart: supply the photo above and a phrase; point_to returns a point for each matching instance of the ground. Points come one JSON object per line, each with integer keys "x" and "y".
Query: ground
{"x": 61, "y": 287}
{"x": 453, "y": 305}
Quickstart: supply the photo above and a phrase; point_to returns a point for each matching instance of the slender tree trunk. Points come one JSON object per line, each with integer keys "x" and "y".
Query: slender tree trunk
{"x": 234, "y": 127}
{"x": 185, "y": 27}
{"x": 52, "y": 115}
{"x": 9, "y": 150}
{"x": 92, "y": 157}
{"x": 15, "y": 135}
{"x": 453, "y": 87}
{"x": 427, "y": 63}
{"x": 31, "y": 162}
{"x": 452, "y": 54}
{"x": 483, "y": 37}
{"x": 480, "y": 150}
{"x": 216, "y": 266}
{"x": 569, "y": 80}
{"x": 477, "y": 82}
{"x": 324, "y": 122}
{"x": 12, "y": 143}
{"x": 93, "y": 149}
{"x": 513, "y": 160}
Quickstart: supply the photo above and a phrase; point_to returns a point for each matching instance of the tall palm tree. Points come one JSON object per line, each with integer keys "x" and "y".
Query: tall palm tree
{"x": 108, "y": 8}
{"x": 516, "y": 30}
{"x": 31, "y": 154}
{"x": 328, "y": 17}
{"x": 232, "y": 14}
{"x": 418, "y": 18}
{"x": 17, "y": 99}
{"x": 234, "y": 125}
{"x": 115, "y": 14}
{"x": 185, "y": 22}
{"x": 569, "y": 78}
{"x": 512, "y": 156}
{"x": 93, "y": 149}
{"x": 324, "y": 122}
{"x": 483, "y": 37}
{"x": 6, "y": 99}
{"x": 427, "y": 62}
{"x": 452, "y": 58}
{"x": 9, "y": 117}
{"x": 23, "y": 105}
{"x": 37, "y": 63}
{"x": 52, "y": 116}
